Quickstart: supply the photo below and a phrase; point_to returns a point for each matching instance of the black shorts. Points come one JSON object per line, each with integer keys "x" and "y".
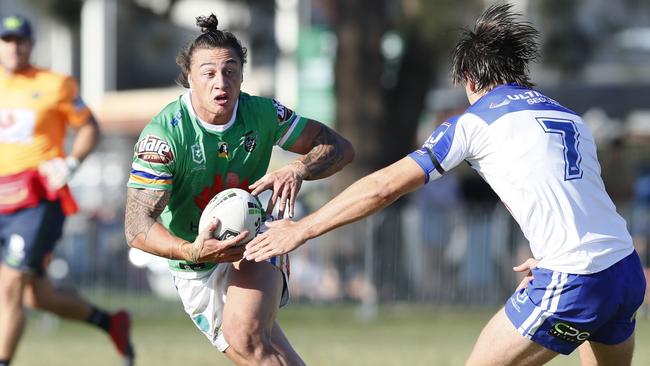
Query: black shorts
{"x": 28, "y": 236}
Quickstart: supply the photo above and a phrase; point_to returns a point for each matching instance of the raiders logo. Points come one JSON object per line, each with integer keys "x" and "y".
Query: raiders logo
{"x": 284, "y": 113}
{"x": 250, "y": 141}
{"x": 155, "y": 150}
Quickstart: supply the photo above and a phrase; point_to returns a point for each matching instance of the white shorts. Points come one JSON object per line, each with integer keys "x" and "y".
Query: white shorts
{"x": 204, "y": 298}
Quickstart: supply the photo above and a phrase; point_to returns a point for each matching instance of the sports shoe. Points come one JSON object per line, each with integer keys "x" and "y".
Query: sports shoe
{"x": 120, "y": 335}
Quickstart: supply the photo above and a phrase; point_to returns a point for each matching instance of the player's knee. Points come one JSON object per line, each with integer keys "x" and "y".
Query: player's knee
{"x": 32, "y": 299}
{"x": 252, "y": 345}
{"x": 11, "y": 287}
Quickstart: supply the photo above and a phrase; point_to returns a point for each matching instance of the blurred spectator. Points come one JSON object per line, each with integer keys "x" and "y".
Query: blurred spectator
{"x": 36, "y": 109}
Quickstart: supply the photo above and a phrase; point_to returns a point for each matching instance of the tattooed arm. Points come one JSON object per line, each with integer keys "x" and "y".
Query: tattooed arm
{"x": 144, "y": 206}
{"x": 325, "y": 152}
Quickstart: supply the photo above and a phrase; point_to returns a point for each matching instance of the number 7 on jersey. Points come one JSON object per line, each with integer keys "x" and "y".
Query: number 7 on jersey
{"x": 569, "y": 132}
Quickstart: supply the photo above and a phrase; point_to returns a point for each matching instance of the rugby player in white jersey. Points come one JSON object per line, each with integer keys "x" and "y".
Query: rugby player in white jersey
{"x": 540, "y": 158}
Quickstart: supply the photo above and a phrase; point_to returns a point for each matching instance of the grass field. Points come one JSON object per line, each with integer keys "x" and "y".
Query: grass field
{"x": 323, "y": 335}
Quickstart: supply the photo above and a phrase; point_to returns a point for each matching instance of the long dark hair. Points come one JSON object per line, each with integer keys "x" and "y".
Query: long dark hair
{"x": 210, "y": 37}
{"x": 497, "y": 51}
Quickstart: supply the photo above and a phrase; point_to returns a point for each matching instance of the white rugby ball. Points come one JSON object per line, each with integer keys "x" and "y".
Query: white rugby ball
{"x": 237, "y": 210}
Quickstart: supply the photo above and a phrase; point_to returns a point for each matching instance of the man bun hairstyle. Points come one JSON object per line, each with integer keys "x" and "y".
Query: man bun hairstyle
{"x": 497, "y": 51}
{"x": 210, "y": 37}
{"x": 207, "y": 24}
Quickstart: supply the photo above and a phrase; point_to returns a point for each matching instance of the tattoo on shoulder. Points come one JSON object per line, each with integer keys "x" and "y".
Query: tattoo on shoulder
{"x": 327, "y": 153}
{"x": 143, "y": 206}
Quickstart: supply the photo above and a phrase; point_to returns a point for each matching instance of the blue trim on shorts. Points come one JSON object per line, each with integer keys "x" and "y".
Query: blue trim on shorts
{"x": 28, "y": 236}
{"x": 560, "y": 311}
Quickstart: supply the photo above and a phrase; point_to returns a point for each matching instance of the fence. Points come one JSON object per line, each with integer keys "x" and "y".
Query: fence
{"x": 460, "y": 255}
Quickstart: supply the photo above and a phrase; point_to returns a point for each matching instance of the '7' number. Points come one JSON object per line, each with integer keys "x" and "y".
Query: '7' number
{"x": 569, "y": 132}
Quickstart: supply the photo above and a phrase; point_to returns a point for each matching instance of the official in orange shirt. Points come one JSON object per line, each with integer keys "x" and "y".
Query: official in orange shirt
{"x": 36, "y": 108}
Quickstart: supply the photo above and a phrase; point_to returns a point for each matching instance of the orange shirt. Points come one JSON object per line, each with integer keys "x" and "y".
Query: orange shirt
{"x": 36, "y": 106}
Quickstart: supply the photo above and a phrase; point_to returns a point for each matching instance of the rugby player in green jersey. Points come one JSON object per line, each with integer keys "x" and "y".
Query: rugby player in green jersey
{"x": 211, "y": 138}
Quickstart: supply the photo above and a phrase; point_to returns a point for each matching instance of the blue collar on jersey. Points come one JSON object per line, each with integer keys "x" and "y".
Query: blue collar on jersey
{"x": 509, "y": 98}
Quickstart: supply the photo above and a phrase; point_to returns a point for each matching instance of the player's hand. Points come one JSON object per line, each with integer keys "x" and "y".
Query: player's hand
{"x": 208, "y": 249}
{"x": 281, "y": 237}
{"x": 527, "y": 267}
{"x": 58, "y": 171}
{"x": 285, "y": 183}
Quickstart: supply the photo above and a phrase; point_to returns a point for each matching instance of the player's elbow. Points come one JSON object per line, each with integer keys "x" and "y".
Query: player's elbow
{"x": 382, "y": 192}
{"x": 384, "y": 186}
{"x": 130, "y": 239}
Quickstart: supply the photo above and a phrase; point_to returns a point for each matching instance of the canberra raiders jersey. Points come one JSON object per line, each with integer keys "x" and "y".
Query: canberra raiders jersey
{"x": 540, "y": 158}
{"x": 178, "y": 152}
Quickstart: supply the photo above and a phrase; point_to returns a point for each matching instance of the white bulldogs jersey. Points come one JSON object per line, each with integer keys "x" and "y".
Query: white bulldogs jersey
{"x": 540, "y": 159}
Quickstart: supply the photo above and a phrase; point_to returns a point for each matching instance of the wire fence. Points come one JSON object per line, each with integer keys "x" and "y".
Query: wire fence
{"x": 443, "y": 245}
{"x": 462, "y": 256}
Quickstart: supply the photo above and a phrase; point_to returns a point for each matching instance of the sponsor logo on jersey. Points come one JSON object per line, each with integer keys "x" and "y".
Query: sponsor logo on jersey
{"x": 15, "y": 250}
{"x": 284, "y": 113}
{"x": 192, "y": 266}
{"x": 568, "y": 332}
{"x": 497, "y": 105}
{"x": 222, "y": 150}
{"x": 17, "y": 125}
{"x": 177, "y": 119}
{"x": 153, "y": 149}
{"x": 250, "y": 141}
{"x": 202, "y": 322}
{"x": 7, "y": 119}
{"x": 525, "y": 95}
{"x": 434, "y": 138}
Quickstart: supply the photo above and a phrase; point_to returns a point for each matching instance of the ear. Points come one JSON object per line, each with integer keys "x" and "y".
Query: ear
{"x": 189, "y": 79}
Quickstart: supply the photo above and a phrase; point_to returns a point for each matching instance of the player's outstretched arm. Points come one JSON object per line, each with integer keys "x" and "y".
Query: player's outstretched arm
{"x": 324, "y": 152}
{"x": 143, "y": 206}
{"x": 363, "y": 198}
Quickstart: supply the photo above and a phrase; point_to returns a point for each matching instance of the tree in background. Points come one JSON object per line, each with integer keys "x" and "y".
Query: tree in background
{"x": 380, "y": 99}
{"x": 573, "y": 31}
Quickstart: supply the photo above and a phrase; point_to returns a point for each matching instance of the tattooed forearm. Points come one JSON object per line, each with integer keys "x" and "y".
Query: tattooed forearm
{"x": 327, "y": 156}
{"x": 143, "y": 207}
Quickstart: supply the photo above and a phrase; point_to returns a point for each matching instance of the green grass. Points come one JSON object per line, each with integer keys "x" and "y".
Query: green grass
{"x": 323, "y": 335}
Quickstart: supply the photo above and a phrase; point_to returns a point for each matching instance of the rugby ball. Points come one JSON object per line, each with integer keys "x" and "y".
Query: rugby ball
{"x": 237, "y": 210}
